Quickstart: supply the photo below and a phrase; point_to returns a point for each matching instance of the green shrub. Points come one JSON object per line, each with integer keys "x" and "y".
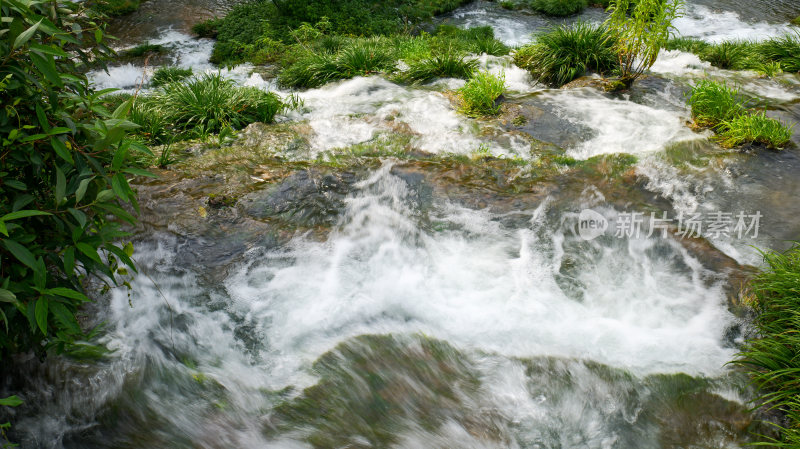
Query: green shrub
{"x": 564, "y": 53}
{"x": 165, "y": 75}
{"x": 63, "y": 179}
{"x": 641, "y": 28}
{"x": 558, "y": 8}
{"x": 446, "y": 65}
{"x": 771, "y": 356}
{"x": 207, "y": 28}
{"x": 143, "y": 50}
{"x": 213, "y": 102}
{"x": 714, "y": 103}
{"x": 785, "y": 51}
{"x": 116, "y": 8}
{"x": 755, "y": 128}
{"x": 479, "y": 96}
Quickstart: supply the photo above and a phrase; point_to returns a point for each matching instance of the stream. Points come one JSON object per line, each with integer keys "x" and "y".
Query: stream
{"x": 406, "y": 303}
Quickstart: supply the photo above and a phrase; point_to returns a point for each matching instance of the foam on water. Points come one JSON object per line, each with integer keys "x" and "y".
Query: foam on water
{"x": 715, "y": 26}
{"x": 354, "y": 111}
{"x": 619, "y": 126}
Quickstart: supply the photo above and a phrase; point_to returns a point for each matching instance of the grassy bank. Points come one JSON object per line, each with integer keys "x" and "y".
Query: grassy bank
{"x": 771, "y": 357}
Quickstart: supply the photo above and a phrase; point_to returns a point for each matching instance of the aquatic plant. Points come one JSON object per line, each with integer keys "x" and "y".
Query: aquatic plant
{"x": 355, "y": 59}
{"x": 641, "y": 28}
{"x": 479, "y": 96}
{"x": 363, "y": 58}
{"x": 687, "y": 44}
{"x": 165, "y": 75}
{"x": 213, "y": 102}
{"x": 450, "y": 64}
{"x": 755, "y": 128}
{"x": 558, "y": 8}
{"x": 566, "y": 52}
{"x": 771, "y": 355}
{"x": 143, "y": 50}
{"x": 734, "y": 55}
{"x": 207, "y": 28}
{"x": 714, "y": 103}
{"x": 115, "y": 8}
{"x": 784, "y": 51}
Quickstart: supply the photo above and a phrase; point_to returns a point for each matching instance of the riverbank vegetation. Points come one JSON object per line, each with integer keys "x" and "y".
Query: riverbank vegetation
{"x": 771, "y": 355}
{"x": 64, "y": 173}
{"x": 479, "y": 97}
{"x": 722, "y": 108}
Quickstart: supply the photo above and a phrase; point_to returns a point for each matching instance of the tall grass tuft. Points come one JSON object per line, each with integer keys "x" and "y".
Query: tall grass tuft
{"x": 479, "y": 96}
{"x": 564, "y": 53}
{"x": 733, "y": 55}
{"x": 714, "y": 103}
{"x": 166, "y": 75}
{"x": 450, "y": 64}
{"x": 355, "y": 59}
{"x": 785, "y": 51}
{"x": 559, "y": 8}
{"x": 755, "y": 128}
{"x": 771, "y": 357}
{"x": 363, "y": 58}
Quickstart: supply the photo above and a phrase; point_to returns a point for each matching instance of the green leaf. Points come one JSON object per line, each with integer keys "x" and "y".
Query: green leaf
{"x": 61, "y": 186}
{"x": 79, "y": 216}
{"x": 104, "y": 195}
{"x": 41, "y": 314}
{"x": 3, "y": 229}
{"x": 14, "y": 184}
{"x": 122, "y": 110}
{"x": 48, "y": 49}
{"x": 47, "y": 66}
{"x": 23, "y": 214}
{"x": 128, "y": 249}
{"x": 69, "y": 261}
{"x": 11, "y": 401}
{"x": 20, "y": 252}
{"x": 140, "y": 172}
{"x": 66, "y": 293}
{"x": 89, "y": 251}
{"x": 7, "y": 296}
{"x": 25, "y": 36}
{"x": 61, "y": 150}
{"x": 65, "y": 317}
{"x": 84, "y": 184}
{"x": 119, "y": 184}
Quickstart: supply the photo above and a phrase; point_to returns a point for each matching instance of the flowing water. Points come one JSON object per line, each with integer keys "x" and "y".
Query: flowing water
{"x": 412, "y": 307}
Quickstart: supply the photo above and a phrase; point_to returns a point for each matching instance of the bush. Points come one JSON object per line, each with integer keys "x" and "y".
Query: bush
{"x": 446, "y": 65}
{"x": 559, "y": 8}
{"x": 784, "y": 51}
{"x": 479, "y": 96}
{"x": 771, "y": 356}
{"x": 714, "y": 103}
{"x": 211, "y": 103}
{"x": 208, "y": 28}
{"x": 116, "y": 8}
{"x": 755, "y": 128}
{"x": 63, "y": 178}
{"x": 166, "y": 75}
{"x": 564, "y": 53}
{"x": 641, "y": 28}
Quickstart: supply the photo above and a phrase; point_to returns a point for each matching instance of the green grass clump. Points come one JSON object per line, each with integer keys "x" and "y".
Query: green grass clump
{"x": 755, "y": 128}
{"x": 795, "y": 21}
{"x": 564, "y": 53}
{"x": 208, "y": 28}
{"x": 447, "y": 65}
{"x": 771, "y": 357}
{"x": 356, "y": 59}
{"x": 166, "y": 75}
{"x": 507, "y": 4}
{"x": 687, "y": 44}
{"x": 714, "y": 103}
{"x": 472, "y": 40}
{"x": 784, "y": 51}
{"x": 558, "y": 8}
{"x": 479, "y": 96}
{"x": 200, "y": 107}
{"x": 733, "y": 55}
{"x": 116, "y": 8}
{"x": 143, "y": 50}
